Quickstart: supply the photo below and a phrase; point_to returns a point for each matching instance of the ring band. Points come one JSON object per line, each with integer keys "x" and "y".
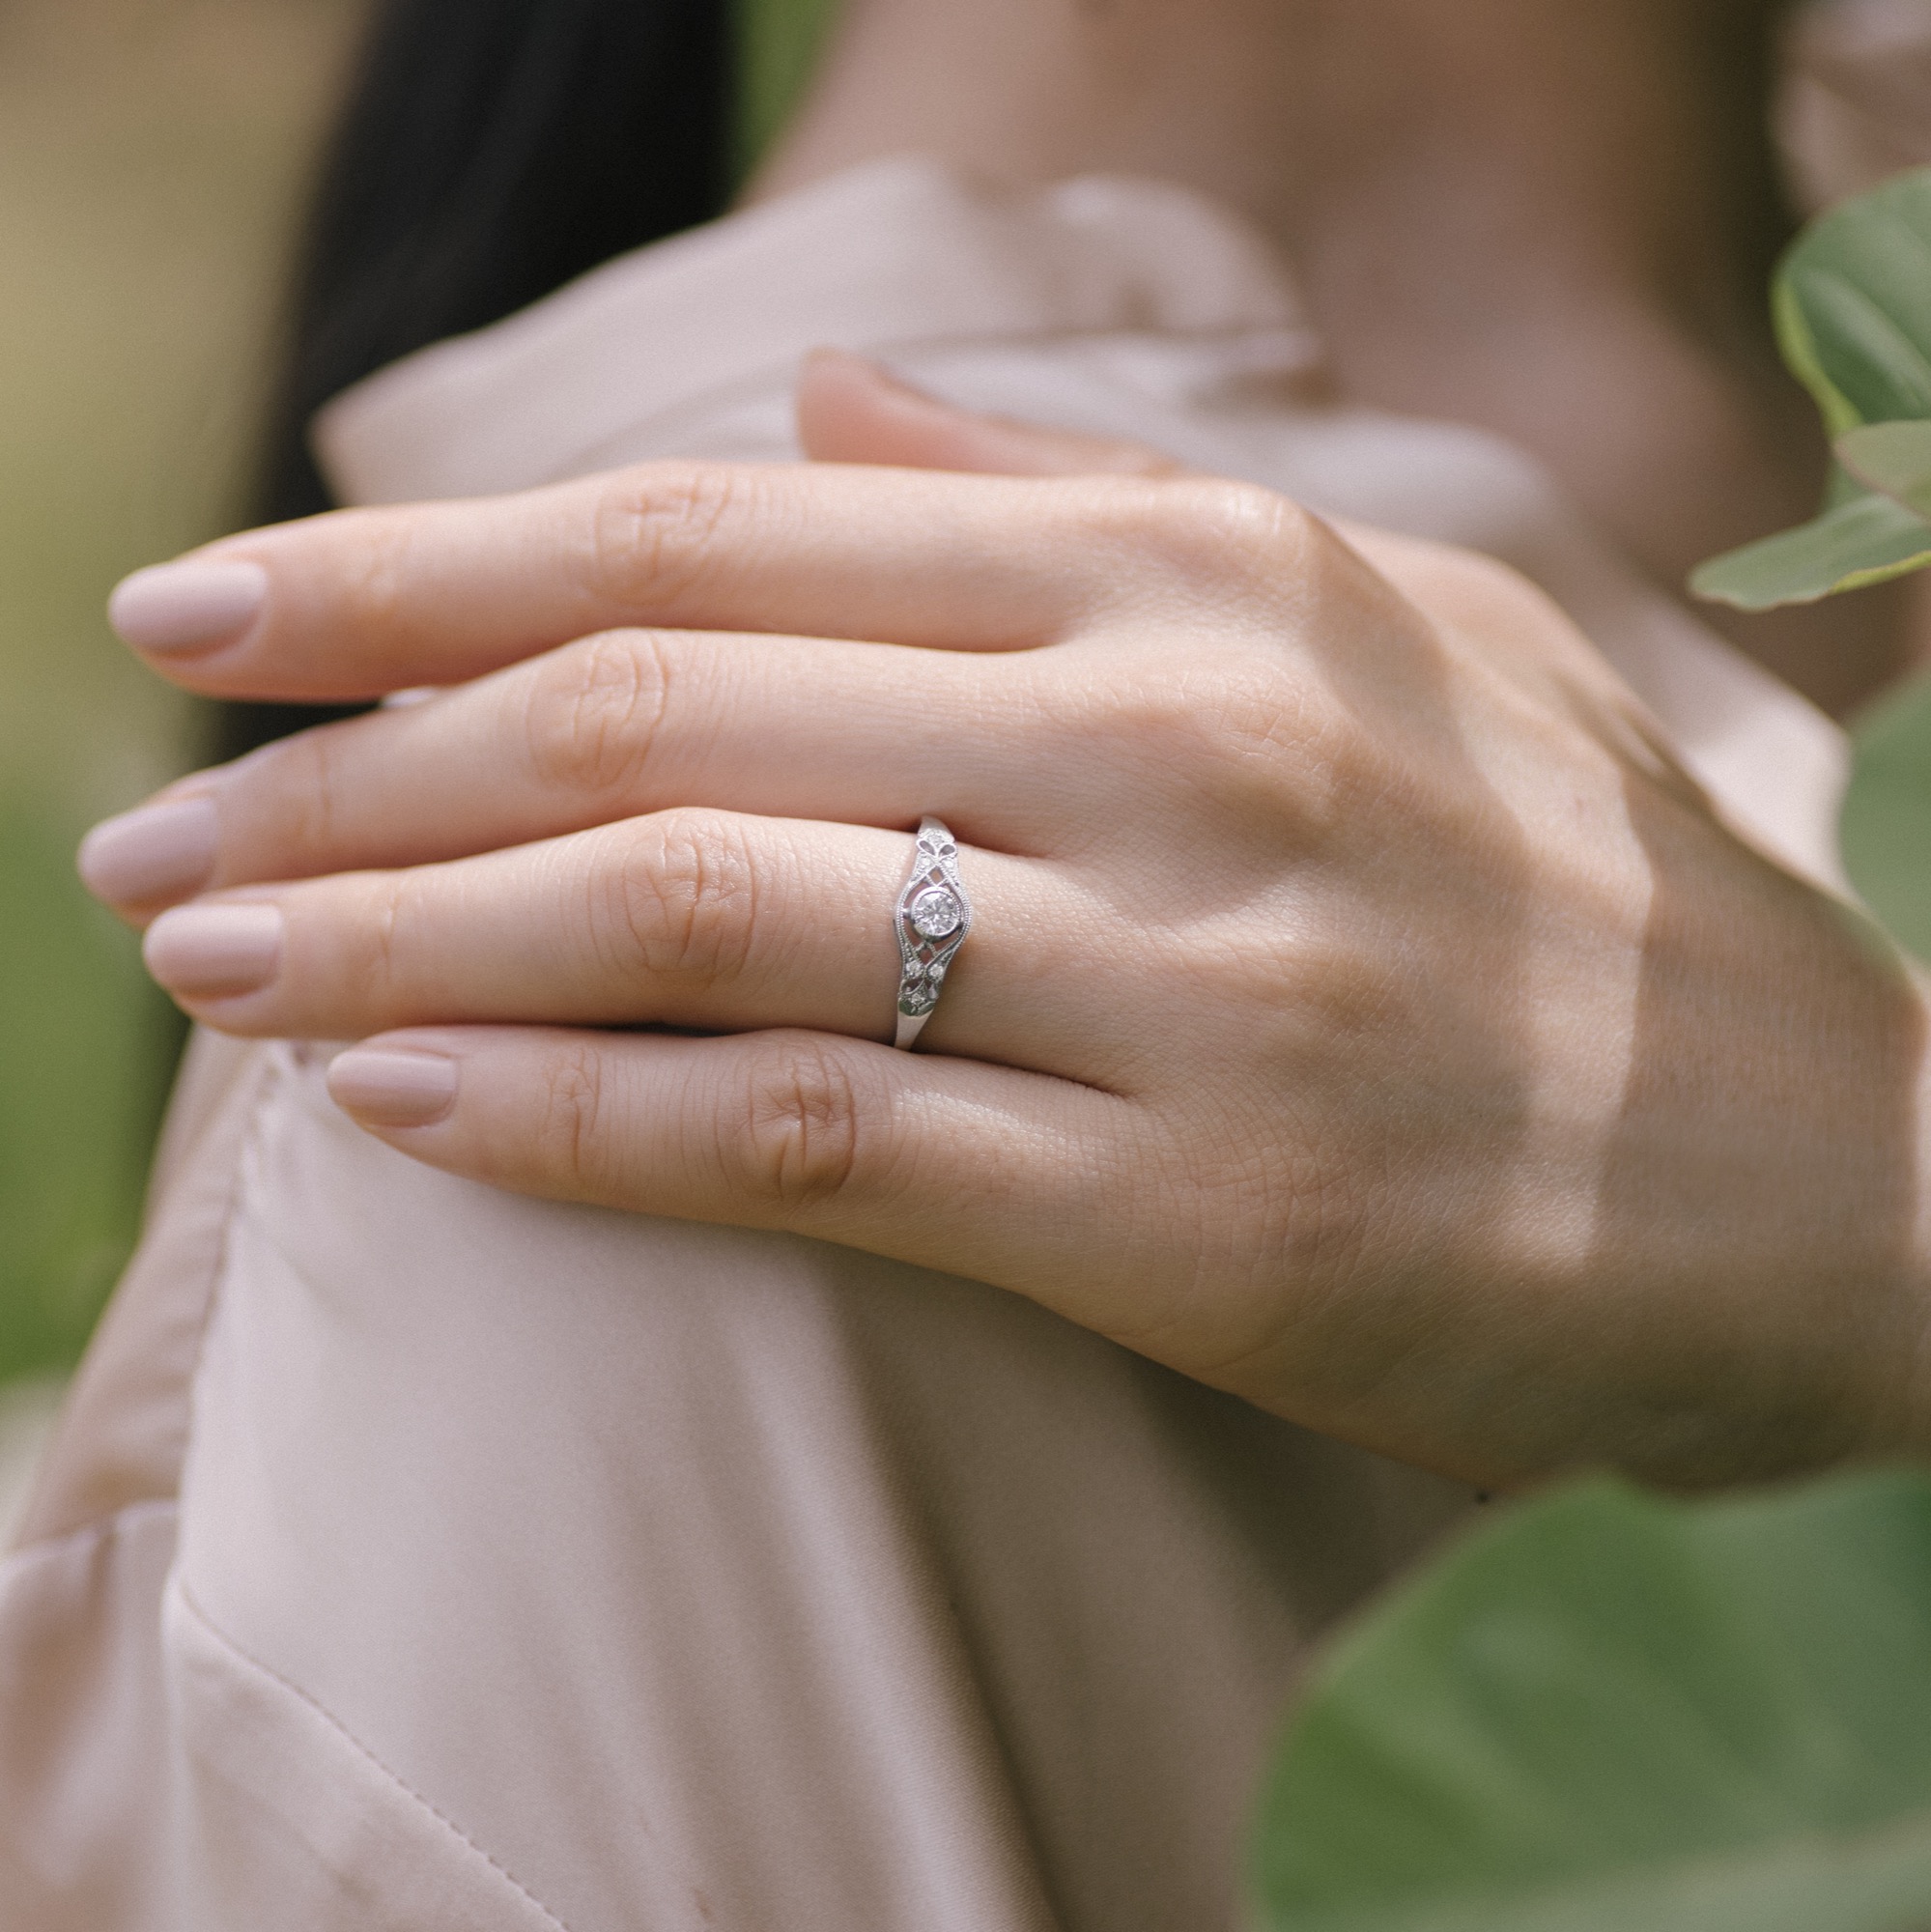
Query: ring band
{"x": 933, "y": 917}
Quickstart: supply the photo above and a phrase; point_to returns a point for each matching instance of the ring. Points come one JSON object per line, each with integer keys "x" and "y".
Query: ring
{"x": 934, "y": 917}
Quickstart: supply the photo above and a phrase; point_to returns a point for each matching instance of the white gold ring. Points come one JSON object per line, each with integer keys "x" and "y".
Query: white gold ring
{"x": 934, "y": 917}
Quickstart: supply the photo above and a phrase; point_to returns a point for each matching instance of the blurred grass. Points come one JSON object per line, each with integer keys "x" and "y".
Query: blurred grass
{"x": 151, "y": 152}
{"x": 778, "y": 44}
{"x": 82, "y": 1062}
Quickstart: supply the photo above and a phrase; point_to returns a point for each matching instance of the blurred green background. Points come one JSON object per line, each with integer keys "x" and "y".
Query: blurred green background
{"x": 152, "y": 154}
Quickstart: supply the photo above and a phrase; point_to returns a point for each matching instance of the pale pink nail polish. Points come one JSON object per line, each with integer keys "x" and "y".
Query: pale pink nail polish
{"x": 160, "y": 852}
{"x": 182, "y": 607}
{"x": 392, "y": 1087}
{"x": 215, "y": 951}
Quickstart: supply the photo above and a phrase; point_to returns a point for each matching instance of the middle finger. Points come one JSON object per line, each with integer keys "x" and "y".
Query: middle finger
{"x": 628, "y": 722}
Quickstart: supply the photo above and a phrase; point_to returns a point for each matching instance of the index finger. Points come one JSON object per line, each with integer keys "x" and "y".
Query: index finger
{"x": 360, "y": 602}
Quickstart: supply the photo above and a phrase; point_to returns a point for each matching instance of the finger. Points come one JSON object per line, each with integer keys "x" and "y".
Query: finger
{"x": 617, "y": 726}
{"x": 974, "y": 1170}
{"x": 360, "y": 603}
{"x": 686, "y": 918}
{"x": 852, "y": 411}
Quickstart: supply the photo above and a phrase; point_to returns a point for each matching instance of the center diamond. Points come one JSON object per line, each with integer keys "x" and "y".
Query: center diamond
{"x": 935, "y": 914}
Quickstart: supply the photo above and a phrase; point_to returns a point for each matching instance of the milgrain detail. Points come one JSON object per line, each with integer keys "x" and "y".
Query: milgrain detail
{"x": 379, "y": 1846}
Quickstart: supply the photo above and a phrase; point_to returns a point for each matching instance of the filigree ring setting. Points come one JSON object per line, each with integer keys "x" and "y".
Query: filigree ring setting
{"x": 933, "y": 917}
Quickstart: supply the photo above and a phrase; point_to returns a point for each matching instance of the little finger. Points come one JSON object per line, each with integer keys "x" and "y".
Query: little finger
{"x": 981, "y": 1171}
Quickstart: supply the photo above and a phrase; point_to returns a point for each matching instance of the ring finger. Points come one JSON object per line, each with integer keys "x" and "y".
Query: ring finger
{"x": 688, "y": 918}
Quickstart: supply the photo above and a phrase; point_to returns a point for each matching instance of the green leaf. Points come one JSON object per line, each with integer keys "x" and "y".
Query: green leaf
{"x": 1863, "y": 540}
{"x": 1853, "y": 307}
{"x": 1853, "y": 311}
{"x": 1894, "y": 458}
{"x": 1886, "y": 822}
{"x": 1616, "y": 1714}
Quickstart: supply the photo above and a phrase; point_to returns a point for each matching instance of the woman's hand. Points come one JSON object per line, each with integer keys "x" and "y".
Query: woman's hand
{"x": 1362, "y": 1013}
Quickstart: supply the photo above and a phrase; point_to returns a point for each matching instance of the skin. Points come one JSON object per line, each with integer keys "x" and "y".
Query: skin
{"x": 1364, "y": 1013}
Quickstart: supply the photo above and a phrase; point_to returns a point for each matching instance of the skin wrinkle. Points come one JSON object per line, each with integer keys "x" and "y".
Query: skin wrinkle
{"x": 573, "y": 1108}
{"x": 382, "y": 971}
{"x": 807, "y": 1131}
{"x": 684, "y": 900}
{"x": 264, "y": 807}
{"x": 316, "y": 789}
{"x": 594, "y": 723}
{"x": 1202, "y": 539}
{"x": 653, "y": 550}
{"x": 1212, "y": 1249}
{"x": 1094, "y": 1136}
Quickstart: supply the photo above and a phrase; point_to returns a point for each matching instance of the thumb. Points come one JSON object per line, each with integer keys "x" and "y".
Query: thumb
{"x": 851, "y": 411}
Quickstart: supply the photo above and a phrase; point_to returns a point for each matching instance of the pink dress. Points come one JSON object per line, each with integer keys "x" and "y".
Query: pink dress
{"x": 414, "y": 1555}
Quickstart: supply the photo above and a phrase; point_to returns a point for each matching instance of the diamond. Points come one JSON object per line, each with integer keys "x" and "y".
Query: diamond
{"x": 935, "y": 914}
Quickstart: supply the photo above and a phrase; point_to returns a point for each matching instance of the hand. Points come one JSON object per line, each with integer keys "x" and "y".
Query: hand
{"x": 1363, "y": 1014}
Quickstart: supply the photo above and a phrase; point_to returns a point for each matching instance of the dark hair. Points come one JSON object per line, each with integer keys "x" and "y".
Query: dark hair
{"x": 489, "y": 151}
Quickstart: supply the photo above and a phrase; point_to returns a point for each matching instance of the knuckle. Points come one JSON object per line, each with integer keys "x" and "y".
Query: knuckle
{"x": 376, "y": 959}
{"x": 1228, "y": 724}
{"x": 292, "y": 791}
{"x": 379, "y": 564}
{"x": 806, "y": 1133}
{"x": 679, "y": 904}
{"x": 655, "y": 533}
{"x": 568, "y": 1142}
{"x": 594, "y": 712}
{"x": 1208, "y": 534}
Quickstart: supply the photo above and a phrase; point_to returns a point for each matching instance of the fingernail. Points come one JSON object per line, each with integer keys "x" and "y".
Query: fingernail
{"x": 177, "y": 607}
{"x": 215, "y": 951}
{"x": 389, "y": 1086}
{"x": 160, "y": 852}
